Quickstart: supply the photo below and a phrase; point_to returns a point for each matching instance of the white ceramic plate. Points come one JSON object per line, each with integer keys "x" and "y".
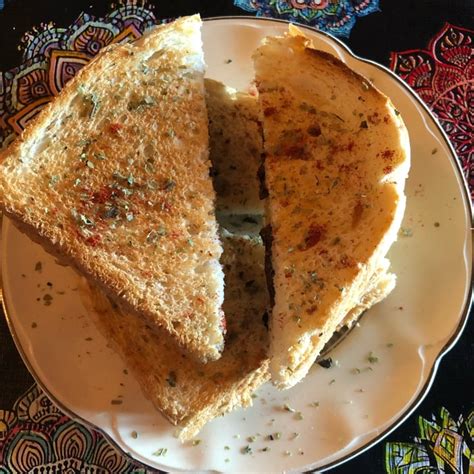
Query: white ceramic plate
{"x": 408, "y": 332}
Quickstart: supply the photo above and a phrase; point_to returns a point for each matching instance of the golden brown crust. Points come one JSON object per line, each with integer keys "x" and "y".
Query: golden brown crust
{"x": 190, "y": 394}
{"x": 337, "y": 159}
{"x": 114, "y": 174}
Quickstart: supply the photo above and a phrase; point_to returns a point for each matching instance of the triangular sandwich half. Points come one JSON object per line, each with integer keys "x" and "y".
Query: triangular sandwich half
{"x": 113, "y": 176}
{"x": 337, "y": 156}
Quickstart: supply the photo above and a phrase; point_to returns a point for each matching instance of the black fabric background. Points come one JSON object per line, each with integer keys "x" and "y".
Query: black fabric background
{"x": 398, "y": 26}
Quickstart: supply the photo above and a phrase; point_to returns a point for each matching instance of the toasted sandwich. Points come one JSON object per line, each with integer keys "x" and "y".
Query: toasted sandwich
{"x": 113, "y": 176}
{"x": 190, "y": 394}
{"x": 336, "y": 160}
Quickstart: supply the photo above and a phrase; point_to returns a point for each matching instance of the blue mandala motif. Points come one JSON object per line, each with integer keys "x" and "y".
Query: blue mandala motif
{"x": 335, "y": 17}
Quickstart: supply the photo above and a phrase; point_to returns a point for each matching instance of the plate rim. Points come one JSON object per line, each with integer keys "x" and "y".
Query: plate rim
{"x": 464, "y": 314}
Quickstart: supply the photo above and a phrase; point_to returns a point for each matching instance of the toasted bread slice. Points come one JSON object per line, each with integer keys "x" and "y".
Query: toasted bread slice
{"x": 337, "y": 156}
{"x": 190, "y": 394}
{"x": 380, "y": 285}
{"x": 114, "y": 176}
{"x": 235, "y": 148}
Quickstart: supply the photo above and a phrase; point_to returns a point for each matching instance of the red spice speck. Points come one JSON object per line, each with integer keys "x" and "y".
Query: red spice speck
{"x": 319, "y": 165}
{"x": 388, "y": 154}
{"x": 269, "y": 111}
{"x": 115, "y": 127}
{"x": 314, "y": 235}
{"x": 388, "y": 169}
{"x": 374, "y": 119}
{"x": 94, "y": 240}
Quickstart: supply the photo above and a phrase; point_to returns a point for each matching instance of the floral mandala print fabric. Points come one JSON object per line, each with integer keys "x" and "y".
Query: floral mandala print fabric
{"x": 443, "y": 76}
{"x": 35, "y": 436}
{"x": 335, "y": 17}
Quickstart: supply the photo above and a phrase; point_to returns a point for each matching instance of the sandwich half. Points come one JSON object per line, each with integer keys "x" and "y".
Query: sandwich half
{"x": 187, "y": 393}
{"x": 113, "y": 176}
{"x": 336, "y": 160}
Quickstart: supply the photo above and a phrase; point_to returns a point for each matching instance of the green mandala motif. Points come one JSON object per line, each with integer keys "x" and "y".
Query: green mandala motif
{"x": 444, "y": 446}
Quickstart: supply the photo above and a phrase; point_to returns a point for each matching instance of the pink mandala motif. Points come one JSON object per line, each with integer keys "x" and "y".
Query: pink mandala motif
{"x": 443, "y": 76}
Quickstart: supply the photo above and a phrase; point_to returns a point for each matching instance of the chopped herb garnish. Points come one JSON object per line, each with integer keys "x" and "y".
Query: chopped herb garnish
{"x": 160, "y": 452}
{"x": 396, "y": 112}
{"x": 355, "y": 371}
{"x": 295, "y": 435}
{"x": 196, "y": 442}
{"x": 406, "y": 232}
{"x": 134, "y": 435}
{"x": 314, "y": 404}
{"x": 48, "y": 299}
{"x": 226, "y": 448}
{"x": 53, "y": 180}
{"x": 171, "y": 379}
{"x": 332, "y": 381}
{"x": 434, "y": 151}
{"x": 389, "y": 344}
{"x": 251, "y": 439}
{"x": 372, "y": 358}
{"x": 299, "y": 415}
{"x": 265, "y": 449}
{"x": 228, "y": 61}
{"x": 100, "y": 156}
{"x": 288, "y": 408}
{"x": 246, "y": 450}
{"x": 288, "y": 453}
{"x": 169, "y": 185}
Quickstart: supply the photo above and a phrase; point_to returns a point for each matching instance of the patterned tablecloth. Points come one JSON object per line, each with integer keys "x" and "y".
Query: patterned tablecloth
{"x": 429, "y": 44}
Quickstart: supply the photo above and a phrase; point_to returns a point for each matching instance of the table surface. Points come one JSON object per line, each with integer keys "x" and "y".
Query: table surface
{"x": 396, "y": 34}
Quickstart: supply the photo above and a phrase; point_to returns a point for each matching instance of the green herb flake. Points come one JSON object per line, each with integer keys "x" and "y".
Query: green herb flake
{"x": 314, "y": 404}
{"x": 363, "y": 124}
{"x": 288, "y": 408}
{"x": 332, "y": 381}
{"x": 251, "y": 439}
{"x": 287, "y": 453}
{"x": 100, "y": 156}
{"x": 246, "y": 450}
{"x": 355, "y": 371}
{"x": 171, "y": 379}
{"x": 116, "y": 402}
{"x": 226, "y": 460}
{"x": 265, "y": 449}
{"x": 389, "y": 344}
{"x": 53, "y": 180}
{"x": 373, "y": 359}
{"x": 397, "y": 113}
{"x": 228, "y": 61}
{"x": 406, "y": 232}
{"x": 434, "y": 151}
{"x": 47, "y": 299}
{"x": 295, "y": 435}
{"x": 169, "y": 185}
{"x": 196, "y": 442}
{"x": 299, "y": 416}
{"x": 134, "y": 434}
{"x": 160, "y": 452}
